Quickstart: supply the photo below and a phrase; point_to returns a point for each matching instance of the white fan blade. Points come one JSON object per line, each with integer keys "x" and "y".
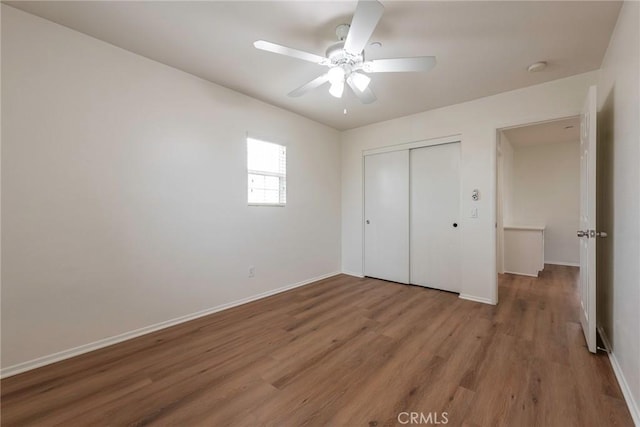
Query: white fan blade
{"x": 421, "y": 63}
{"x": 365, "y": 19}
{"x": 287, "y": 51}
{"x": 317, "y": 82}
{"x": 365, "y": 96}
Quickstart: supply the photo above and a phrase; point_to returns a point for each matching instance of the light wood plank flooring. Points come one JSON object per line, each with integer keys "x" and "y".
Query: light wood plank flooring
{"x": 343, "y": 352}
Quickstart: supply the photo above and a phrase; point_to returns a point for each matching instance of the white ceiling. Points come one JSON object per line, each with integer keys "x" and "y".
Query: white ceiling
{"x": 558, "y": 131}
{"x": 482, "y": 48}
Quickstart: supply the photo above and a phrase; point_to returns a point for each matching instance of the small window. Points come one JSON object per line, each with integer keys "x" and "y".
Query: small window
{"x": 267, "y": 173}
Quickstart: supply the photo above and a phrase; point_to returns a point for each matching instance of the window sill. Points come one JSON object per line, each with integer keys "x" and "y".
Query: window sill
{"x": 273, "y": 205}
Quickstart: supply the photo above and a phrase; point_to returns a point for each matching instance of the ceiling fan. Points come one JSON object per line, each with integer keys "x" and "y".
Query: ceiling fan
{"x": 346, "y": 60}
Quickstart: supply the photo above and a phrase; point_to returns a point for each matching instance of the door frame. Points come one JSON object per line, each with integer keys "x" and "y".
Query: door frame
{"x": 450, "y": 139}
{"x": 499, "y": 222}
{"x": 494, "y": 168}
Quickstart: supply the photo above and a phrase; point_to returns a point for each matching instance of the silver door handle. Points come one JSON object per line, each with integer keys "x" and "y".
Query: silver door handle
{"x": 583, "y": 233}
{"x": 601, "y": 234}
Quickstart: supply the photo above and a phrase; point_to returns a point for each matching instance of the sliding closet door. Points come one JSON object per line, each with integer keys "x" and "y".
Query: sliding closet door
{"x": 386, "y": 216}
{"x": 435, "y": 211}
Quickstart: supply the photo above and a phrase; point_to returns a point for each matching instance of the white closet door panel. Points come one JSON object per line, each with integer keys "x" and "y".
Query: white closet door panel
{"x": 386, "y": 202}
{"x": 435, "y": 217}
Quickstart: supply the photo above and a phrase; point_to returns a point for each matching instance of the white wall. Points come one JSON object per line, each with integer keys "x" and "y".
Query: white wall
{"x": 619, "y": 209}
{"x": 476, "y": 121}
{"x": 546, "y": 191}
{"x": 124, "y": 193}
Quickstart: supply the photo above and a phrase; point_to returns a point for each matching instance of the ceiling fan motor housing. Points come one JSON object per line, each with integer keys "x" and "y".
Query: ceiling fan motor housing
{"x": 338, "y": 56}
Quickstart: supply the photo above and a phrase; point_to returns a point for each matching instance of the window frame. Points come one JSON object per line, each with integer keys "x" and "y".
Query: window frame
{"x": 282, "y": 177}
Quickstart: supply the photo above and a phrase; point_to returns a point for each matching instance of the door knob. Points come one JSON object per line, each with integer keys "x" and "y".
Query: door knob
{"x": 455, "y": 224}
{"x": 583, "y": 233}
{"x": 601, "y": 234}
{"x": 367, "y": 221}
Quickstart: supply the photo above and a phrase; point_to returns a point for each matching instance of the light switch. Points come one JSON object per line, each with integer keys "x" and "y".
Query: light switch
{"x": 474, "y": 213}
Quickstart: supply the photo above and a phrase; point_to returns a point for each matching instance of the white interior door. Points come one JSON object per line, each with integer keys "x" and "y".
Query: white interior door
{"x": 587, "y": 232}
{"x": 386, "y": 207}
{"x": 435, "y": 212}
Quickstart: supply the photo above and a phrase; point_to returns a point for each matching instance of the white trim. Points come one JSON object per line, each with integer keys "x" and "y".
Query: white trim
{"x": 85, "y": 348}
{"x": 363, "y": 218}
{"x": 521, "y": 274}
{"x": 477, "y": 299}
{"x": 348, "y": 273}
{"x": 626, "y": 391}
{"x": 414, "y": 144}
{"x": 624, "y": 386}
{"x": 537, "y": 120}
{"x": 568, "y": 264}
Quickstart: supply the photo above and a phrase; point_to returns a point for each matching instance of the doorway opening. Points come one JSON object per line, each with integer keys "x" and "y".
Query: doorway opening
{"x": 546, "y": 209}
{"x": 538, "y": 196}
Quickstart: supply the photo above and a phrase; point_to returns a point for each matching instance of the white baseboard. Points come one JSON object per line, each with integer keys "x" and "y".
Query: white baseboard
{"x": 521, "y": 274}
{"x": 626, "y": 391}
{"x": 85, "y": 348}
{"x": 348, "y": 273}
{"x": 568, "y": 264}
{"x": 622, "y": 381}
{"x": 477, "y": 299}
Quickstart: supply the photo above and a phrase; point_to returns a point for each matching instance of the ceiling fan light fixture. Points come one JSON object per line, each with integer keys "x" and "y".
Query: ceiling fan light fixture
{"x": 360, "y": 81}
{"x": 336, "y": 75}
{"x": 336, "y": 89}
{"x": 346, "y": 58}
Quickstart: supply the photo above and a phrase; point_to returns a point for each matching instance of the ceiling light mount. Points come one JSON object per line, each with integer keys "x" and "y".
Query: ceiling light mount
{"x": 341, "y": 31}
{"x": 537, "y": 66}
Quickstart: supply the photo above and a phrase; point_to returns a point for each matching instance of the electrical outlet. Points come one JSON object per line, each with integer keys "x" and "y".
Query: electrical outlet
{"x": 252, "y": 271}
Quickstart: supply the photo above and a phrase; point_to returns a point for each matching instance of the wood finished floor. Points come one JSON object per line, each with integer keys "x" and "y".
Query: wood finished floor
{"x": 343, "y": 352}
